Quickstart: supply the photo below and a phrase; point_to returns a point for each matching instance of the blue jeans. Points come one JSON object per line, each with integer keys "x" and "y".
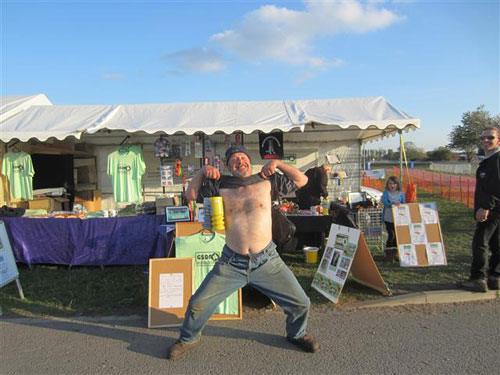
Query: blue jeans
{"x": 266, "y": 272}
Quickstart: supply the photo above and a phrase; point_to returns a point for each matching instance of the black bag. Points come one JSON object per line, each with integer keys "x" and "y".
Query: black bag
{"x": 283, "y": 229}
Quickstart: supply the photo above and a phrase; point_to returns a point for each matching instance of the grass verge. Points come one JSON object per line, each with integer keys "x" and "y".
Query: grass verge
{"x": 121, "y": 290}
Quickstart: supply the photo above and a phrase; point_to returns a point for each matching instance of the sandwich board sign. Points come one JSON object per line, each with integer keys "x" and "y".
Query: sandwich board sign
{"x": 8, "y": 267}
{"x": 336, "y": 261}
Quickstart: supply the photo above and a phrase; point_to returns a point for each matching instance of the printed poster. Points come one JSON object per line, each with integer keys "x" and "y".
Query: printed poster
{"x": 8, "y": 267}
{"x": 407, "y": 255}
{"x": 166, "y": 176}
{"x": 401, "y": 215}
{"x": 198, "y": 150}
{"x": 336, "y": 261}
{"x": 428, "y": 211}
{"x": 417, "y": 232}
{"x": 435, "y": 254}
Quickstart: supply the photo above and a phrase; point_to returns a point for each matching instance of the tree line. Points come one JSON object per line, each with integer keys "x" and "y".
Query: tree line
{"x": 463, "y": 141}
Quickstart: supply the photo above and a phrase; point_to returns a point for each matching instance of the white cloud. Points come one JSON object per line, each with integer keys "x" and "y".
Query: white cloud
{"x": 199, "y": 60}
{"x": 288, "y": 36}
{"x": 304, "y": 76}
{"x": 113, "y": 76}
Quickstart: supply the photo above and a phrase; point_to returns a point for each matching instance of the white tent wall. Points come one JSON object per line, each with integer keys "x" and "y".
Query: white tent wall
{"x": 298, "y": 153}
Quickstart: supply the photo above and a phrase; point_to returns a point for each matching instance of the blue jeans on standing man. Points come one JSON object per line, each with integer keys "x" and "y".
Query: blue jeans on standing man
{"x": 266, "y": 272}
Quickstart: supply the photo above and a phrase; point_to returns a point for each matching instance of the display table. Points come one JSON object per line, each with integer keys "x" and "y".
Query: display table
{"x": 90, "y": 242}
{"x": 311, "y": 230}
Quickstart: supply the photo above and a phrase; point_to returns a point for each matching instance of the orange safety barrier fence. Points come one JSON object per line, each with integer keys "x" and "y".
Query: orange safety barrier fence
{"x": 456, "y": 188}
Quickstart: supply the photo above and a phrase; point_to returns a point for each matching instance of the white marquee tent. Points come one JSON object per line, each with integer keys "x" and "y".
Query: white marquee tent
{"x": 12, "y": 105}
{"x": 363, "y": 119}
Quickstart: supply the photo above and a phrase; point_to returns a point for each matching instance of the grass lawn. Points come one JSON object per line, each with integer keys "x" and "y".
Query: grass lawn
{"x": 60, "y": 291}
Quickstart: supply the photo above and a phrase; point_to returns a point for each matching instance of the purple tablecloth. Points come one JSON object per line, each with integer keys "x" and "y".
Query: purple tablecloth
{"x": 90, "y": 242}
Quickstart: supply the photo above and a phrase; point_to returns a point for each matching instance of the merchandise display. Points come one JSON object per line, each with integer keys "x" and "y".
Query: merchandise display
{"x": 126, "y": 166}
{"x": 18, "y": 168}
{"x": 206, "y": 249}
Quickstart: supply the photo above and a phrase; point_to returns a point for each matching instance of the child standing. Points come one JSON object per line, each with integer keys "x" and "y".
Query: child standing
{"x": 392, "y": 196}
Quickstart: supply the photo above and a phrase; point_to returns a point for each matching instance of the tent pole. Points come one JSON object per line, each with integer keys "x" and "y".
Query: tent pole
{"x": 401, "y": 145}
{"x": 202, "y": 161}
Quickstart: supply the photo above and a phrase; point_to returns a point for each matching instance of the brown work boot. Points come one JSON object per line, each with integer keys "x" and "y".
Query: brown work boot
{"x": 307, "y": 343}
{"x": 179, "y": 349}
{"x": 475, "y": 285}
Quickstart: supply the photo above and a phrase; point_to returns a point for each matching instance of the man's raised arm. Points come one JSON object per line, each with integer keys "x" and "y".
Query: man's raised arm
{"x": 294, "y": 174}
{"x": 207, "y": 171}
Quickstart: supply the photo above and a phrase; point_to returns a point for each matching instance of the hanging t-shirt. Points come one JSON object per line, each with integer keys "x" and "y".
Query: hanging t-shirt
{"x": 206, "y": 250}
{"x": 126, "y": 167}
{"x": 18, "y": 168}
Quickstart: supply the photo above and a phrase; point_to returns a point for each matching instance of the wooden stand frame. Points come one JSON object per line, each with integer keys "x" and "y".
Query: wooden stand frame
{"x": 168, "y": 317}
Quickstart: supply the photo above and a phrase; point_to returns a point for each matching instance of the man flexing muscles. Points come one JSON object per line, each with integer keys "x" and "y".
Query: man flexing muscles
{"x": 250, "y": 256}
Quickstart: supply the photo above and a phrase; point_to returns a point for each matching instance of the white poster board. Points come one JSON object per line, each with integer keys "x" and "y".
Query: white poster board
{"x": 336, "y": 261}
{"x": 8, "y": 267}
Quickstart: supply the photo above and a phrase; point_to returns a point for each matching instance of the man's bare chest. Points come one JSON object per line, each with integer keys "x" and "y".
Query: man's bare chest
{"x": 247, "y": 198}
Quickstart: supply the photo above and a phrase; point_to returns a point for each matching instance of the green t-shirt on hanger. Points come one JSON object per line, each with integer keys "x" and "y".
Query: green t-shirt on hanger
{"x": 126, "y": 167}
{"x": 18, "y": 168}
{"x": 206, "y": 250}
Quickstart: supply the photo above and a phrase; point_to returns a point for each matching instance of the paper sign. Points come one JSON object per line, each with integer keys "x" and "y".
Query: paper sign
{"x": 429, "y": 213}
{"x": 417, "y": 232}
{"x": 408, "y": 255}
{"x": 435, "y": 254}
{"x": 401, "y": 215}
{"x": 171, "y": 290}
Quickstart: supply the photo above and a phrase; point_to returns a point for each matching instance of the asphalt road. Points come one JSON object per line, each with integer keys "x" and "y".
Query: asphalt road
{"x": 460, "y": 338}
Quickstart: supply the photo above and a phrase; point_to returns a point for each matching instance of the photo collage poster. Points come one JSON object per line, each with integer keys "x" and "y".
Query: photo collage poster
{"x": 336, "y": 261}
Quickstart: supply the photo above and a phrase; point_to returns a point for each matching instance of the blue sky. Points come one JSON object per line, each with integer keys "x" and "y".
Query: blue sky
{"x": 433, "y": 59}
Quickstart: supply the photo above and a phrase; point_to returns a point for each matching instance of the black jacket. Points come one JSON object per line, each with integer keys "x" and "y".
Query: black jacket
{"x": 311, "y": 193}
{"x": 487, "y": 194}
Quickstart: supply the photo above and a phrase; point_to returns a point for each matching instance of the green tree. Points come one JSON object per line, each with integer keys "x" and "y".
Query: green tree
{"x": 390, "y": 154}
{"x": 440, "y": 153}
{"x": 465, "y": 137}
{"x": 413, "y": 152}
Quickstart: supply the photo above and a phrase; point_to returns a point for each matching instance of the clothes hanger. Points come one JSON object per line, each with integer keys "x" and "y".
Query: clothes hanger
{"x": 125, "y": 145}
{"x": 13, "y": 147}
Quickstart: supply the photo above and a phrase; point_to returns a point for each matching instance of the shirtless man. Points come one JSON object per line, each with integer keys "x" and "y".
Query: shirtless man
{"x": 250, "y": 256}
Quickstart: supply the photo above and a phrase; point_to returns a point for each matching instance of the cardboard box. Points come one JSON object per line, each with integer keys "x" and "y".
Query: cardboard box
{"x": 19, "y": 204}
{"x": 50, "y": 204}
{"x": 92, "y": 206}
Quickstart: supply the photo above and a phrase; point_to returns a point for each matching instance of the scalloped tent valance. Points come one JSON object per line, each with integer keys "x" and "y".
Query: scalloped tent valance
{"x": 357, "y": 118}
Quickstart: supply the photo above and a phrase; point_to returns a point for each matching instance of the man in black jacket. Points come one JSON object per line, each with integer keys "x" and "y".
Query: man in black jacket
{"x": 484, "y": 275}
{"x": 310, "y": 195}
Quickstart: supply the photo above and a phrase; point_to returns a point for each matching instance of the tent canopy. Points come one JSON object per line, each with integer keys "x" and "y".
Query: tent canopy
{"x": 358, "y": 118}
{"x": 12, "y": 105}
